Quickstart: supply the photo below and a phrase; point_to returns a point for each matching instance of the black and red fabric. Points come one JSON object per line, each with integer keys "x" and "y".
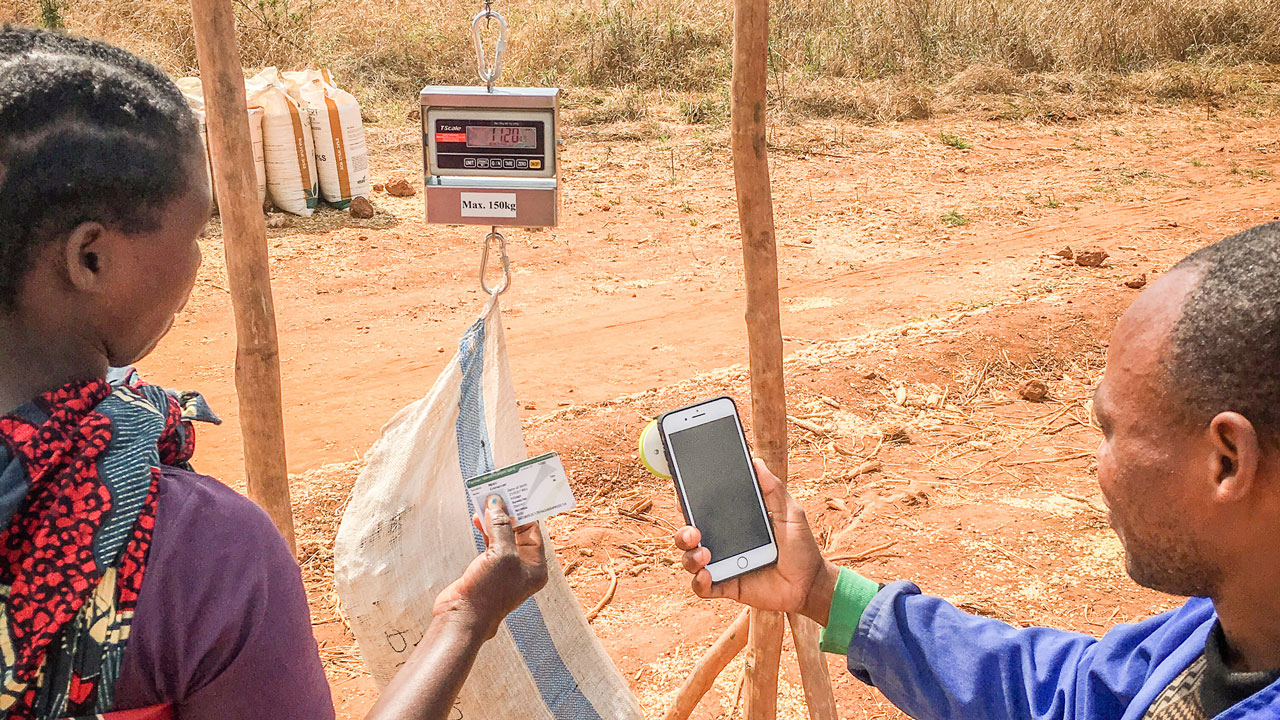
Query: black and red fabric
{"x": 73, "y": 553}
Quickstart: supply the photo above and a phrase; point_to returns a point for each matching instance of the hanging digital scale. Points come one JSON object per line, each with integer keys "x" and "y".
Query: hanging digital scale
{"x": 489, "y": 153}
{"x": 490, "y": 156}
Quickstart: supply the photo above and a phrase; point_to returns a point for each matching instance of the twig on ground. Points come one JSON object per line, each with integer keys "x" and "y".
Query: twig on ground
{"x": 869, "y": 466}
{"x": 1024, "y": 561}
{"x": 864, "y": 554}
{"x": 977, "y": 384}
{"x": 709, "y": 666}
{"x": 1087, "y": 501}
{"x": 812, "y": 427}
{"x": 608, "y": 595}
{"x": 1061, "y": 458}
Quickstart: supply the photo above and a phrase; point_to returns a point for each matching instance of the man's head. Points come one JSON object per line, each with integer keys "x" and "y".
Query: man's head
{"x": 102, "y": 192}
{"x": 1190, "y": 410}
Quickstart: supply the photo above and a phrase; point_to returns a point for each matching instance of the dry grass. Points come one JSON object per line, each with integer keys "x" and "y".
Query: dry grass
{"x": 873, "y": 60}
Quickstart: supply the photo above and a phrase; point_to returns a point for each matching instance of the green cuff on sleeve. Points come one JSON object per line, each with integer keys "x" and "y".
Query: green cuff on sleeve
{"x": 852, "y": 595}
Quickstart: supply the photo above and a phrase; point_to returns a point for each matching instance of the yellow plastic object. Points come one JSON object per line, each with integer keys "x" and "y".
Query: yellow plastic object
{"x": 651, "y": 452}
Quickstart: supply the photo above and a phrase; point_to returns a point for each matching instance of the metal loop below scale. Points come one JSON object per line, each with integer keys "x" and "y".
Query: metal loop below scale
{"x": 502, "y": 255}
{"x": 487, "y": 74}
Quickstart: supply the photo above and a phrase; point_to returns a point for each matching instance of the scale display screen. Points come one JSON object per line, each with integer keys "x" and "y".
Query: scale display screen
{"x": 491, "y": 143}
{"x": 489, "y": 136}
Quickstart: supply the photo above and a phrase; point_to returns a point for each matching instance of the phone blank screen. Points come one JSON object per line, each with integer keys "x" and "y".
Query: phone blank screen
{"x": 716, "y": 476}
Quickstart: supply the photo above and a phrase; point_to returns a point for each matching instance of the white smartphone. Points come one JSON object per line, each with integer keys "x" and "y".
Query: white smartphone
{"x": 717, "y": 486}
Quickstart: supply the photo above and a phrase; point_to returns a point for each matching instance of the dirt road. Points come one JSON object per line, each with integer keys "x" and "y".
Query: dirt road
{"x": 641, "y": 284}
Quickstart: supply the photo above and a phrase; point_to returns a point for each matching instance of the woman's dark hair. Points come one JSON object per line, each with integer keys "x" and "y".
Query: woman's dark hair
{"x": 88, "y": 133}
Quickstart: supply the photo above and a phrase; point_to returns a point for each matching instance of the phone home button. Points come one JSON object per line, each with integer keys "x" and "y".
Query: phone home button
{"x": 742, "y": 563}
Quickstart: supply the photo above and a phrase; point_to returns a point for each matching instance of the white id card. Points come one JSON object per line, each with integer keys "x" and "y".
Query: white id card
{"x": 533, "y": 489}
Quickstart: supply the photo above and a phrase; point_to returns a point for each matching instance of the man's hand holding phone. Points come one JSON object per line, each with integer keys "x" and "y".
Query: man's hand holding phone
{"x": 801, "y": 580}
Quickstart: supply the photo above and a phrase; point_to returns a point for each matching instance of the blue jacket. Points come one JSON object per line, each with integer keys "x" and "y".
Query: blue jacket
{"x": 936, "y": 662}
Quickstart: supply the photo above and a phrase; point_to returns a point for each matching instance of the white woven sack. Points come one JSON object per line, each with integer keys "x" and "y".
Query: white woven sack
{"x": 193, "y": 91}
{"x": 294, "y": 80}
{"x": 288, "y": 147}
{"x": 407, "y": 533}
{"x": 342, "y": 156}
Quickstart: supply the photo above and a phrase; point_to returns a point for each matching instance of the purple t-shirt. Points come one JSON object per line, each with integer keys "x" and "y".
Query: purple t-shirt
{"x": 221, "y": 629}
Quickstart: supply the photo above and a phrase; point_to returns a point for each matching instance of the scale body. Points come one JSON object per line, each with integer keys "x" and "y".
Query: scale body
{"x": 490, "y": 156}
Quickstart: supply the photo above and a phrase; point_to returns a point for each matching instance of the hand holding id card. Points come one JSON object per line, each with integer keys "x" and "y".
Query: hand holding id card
{"x": 533, "y": 489}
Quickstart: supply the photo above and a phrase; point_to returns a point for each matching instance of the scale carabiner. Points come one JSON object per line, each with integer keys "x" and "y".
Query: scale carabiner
{"x": 487, "y": 74}
{"x": 502, "y": 255}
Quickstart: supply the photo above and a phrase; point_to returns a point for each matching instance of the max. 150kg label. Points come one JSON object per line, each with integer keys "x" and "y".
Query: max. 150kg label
{"x": 495, "y": 205}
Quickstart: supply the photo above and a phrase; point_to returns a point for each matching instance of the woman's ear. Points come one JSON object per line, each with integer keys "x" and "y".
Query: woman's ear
{"x": 1236, "y": 454}
{"x": 83, "y": 255}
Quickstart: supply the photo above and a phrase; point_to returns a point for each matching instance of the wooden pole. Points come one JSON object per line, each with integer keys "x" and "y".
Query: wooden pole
{"x": 818, "y": 695}
{"x": 764, "y": 334}
{"x": 709, "y": 666}
{"x": 244, "y": 240}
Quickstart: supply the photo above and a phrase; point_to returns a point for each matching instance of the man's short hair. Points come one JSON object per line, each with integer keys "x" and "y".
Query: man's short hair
{"x": 1225, "y": 353}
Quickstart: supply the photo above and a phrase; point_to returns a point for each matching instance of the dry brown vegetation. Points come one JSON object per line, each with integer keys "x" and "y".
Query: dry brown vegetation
{"x": 871, "y": 60}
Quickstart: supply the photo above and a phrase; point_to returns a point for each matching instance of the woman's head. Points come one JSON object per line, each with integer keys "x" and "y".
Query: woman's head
{"x": 102, "y": 192}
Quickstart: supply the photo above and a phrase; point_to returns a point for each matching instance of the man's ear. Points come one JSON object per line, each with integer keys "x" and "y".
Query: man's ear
{"x": 1236, "y": 452}
{"x": 83, "y": 256}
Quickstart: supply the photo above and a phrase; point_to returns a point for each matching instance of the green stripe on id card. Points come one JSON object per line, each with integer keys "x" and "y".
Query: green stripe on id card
{"x": 533, "y": 489}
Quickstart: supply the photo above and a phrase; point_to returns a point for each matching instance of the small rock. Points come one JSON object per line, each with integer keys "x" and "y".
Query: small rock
{"x": 1066, "y": 253}
{"x": 440, "y": 349}
{"x": 361, "y": 208}
{"x": 715, "y": 226}
{"x": 399, "y": 187}
{"x": 279, "y": 220}
{"x": 1091, "y": 257}
{"x": 1034, "y": 391}
{"x": 1137, "y": 281}
{"x": 379, "y": 187}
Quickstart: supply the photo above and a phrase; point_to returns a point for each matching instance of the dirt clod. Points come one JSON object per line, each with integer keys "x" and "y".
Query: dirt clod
{"x": 1136, "y": 281}
{"x": 399, "y": 187}
{"x": 379, "y": 187}
{"x": 1034, "y": 391}
{"x": 1091, "y": 257}
{"x": 361, "y": 208}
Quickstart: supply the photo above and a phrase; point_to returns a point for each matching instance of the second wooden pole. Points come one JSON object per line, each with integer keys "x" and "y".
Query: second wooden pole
{"x": 764, "y": 334}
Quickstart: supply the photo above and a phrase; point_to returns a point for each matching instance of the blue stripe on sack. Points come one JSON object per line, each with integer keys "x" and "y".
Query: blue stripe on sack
{"x": 557, "y": 686}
